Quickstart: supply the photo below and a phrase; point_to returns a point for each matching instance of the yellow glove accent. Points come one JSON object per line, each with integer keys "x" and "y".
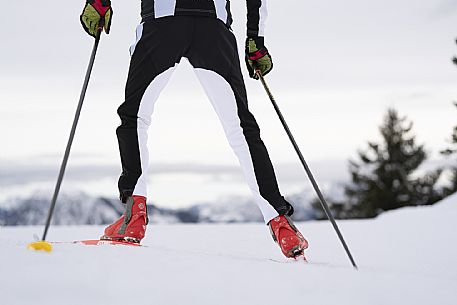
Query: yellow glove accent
{"x": 91, "y": 20}
{"x": 263, "y": 63}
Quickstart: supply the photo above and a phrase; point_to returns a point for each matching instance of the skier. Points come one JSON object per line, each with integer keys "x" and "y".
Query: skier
{"x": 199, "y": 31}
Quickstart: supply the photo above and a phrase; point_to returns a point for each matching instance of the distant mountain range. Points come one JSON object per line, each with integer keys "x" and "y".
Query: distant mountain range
{"x": 82, "y": 209}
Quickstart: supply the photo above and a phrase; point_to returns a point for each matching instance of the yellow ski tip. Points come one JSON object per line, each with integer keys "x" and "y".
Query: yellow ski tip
{"x": 40, "y": 246}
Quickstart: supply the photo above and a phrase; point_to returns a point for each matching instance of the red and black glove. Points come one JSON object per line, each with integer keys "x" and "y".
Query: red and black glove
{"x": 257, "y": 57}
{"x": 96, "y": 14}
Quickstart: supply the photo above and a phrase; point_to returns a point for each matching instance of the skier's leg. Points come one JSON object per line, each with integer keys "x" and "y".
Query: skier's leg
{"x": 132, "y": 137}
{"x": 159, "y": 47}
{"x": 215, "y": 58}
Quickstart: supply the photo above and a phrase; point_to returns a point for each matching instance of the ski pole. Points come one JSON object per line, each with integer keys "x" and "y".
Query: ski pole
{"x": 307, "y": 169}
{"x": 42, "y": 245}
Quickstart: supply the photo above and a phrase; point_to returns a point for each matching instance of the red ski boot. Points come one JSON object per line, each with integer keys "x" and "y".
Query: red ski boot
{"x": 131, "y": 227}
{"x": 289, "y": 239}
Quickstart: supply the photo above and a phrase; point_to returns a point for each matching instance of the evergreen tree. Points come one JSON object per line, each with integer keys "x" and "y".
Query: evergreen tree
{"x": 384, "y": 178}
{"x": 452, "y": 151}
{"x": 454, "y": 60}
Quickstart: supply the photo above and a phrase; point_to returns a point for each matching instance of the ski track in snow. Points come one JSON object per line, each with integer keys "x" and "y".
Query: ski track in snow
{"x": 405, "y": 257}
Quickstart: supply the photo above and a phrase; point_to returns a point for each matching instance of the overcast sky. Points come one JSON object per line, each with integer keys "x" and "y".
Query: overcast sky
{"x": 338, "y": 65}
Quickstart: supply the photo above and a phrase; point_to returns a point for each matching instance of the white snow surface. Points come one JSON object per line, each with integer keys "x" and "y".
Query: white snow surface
{"x": 407, "y": 256}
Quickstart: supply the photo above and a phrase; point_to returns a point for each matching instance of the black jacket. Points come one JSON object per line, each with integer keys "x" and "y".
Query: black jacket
{"x": 257, "y": 13}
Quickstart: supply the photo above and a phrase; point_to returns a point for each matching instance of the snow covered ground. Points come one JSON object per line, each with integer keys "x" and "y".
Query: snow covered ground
{"x": 406, "y": 256}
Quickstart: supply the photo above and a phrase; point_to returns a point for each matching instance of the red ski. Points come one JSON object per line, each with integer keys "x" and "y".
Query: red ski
{"x": 98, "y": 242}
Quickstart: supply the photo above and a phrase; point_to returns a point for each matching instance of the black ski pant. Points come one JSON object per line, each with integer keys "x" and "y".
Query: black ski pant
{"x": 211, "y": 49}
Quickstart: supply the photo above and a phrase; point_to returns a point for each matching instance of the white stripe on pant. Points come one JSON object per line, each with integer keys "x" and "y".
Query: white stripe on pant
{"x": 223, "y": 101}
